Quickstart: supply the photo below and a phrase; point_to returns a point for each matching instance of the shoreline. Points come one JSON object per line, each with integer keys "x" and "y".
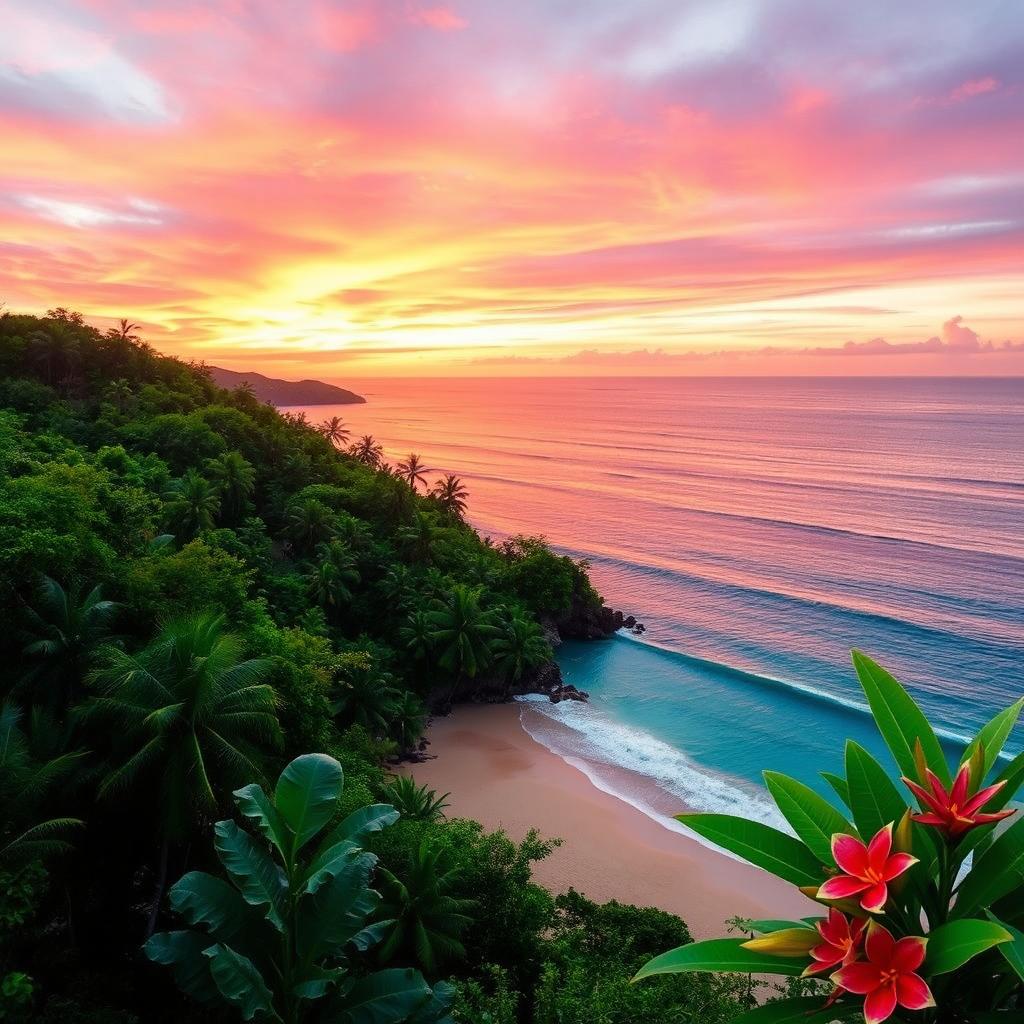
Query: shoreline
{"x": 498, "y": 774}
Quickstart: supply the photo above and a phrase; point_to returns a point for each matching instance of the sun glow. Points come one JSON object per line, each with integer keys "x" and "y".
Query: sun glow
{"x": 378, "y": 188}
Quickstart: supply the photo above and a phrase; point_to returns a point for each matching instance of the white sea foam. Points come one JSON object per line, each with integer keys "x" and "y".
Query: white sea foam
{"x": 591, "y": 740}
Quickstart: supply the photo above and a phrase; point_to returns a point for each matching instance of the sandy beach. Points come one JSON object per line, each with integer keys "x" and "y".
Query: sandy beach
{"x": 497, "y": 773}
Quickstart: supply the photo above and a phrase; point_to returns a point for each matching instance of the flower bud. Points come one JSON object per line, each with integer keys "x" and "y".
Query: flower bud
{"x": 794, "y": 942}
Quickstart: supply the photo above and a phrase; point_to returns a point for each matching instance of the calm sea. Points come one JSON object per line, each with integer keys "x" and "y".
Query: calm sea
{"x": 761, "y": 529}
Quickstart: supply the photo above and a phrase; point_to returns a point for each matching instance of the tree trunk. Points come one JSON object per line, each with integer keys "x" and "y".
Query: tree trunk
{"x": 158, "y": 892}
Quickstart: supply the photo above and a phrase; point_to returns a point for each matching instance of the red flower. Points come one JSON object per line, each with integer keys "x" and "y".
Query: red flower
{"x": 887, "y": 979}
{"x": 868, "y": 869}
{"x": 841, "y": 939}
{"x": 955, "y": 811}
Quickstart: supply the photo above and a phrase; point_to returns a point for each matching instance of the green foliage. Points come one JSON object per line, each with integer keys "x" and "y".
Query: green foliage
{"x": 423, "y": 916}
{"x": 415, "y": 803}
{"x": 275, "y": 939}
{"x": 193, "y": 716}
{"x": 902, "y": 868}
{"x": 594, "y": 952}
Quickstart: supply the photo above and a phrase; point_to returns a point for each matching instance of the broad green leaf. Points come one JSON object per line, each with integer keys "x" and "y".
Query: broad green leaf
{"x": 362, "y": 823}
{"x": 874, "y": 799}
{"x": 204, "y": 899}
{"x": 347, "y": 836}
{"x": 993, "y": 735}
{"x": 800, "y": 1010}
{"x": 952, "y": 944}
{"x": 838, "y": 783}
{"x": 183, "y": 953}
{"x": 997, "y": 872}
{"x": 900, "y": 721}
{"x": 254, "y": 803}
{"x": 240, "y": 983}
{"x": 813, "y": 819}
{"x": 1013, "y": 776}
{"x": 315, "y": 981}
{"x": 368, "y": 937}
{"x": 386, "y": 996}
{"x": 337, "y": 911}
{"x": 1012, "y": 951}
{"x": 719, "y": 955}
{"x": 760, "y": 844}
{"x": 260, "y": 881}
{"x": 307, "y": 794}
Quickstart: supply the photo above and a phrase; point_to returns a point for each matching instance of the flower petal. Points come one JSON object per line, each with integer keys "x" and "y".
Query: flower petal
{"x": 912, "y": 992}
{"x": 908, "y": 954}
{"x": 859, "y": 978}
{"x": 827, "y": 954}
{"x": 987, "y": 819}
{"x": 880, "y": 847}
{"x": 840, "y": 887}
{"x": 834, "y": 928}
{"x": 879, "y": 945}
{"x": 924, "y": 797}
{"x": 961, "y": 784}
{"x": 980, "y": 799}
{"x": 930, "y": 819}
{"x": 937, "y": 788}
{"x": 897, "y": 864}
{"x": 880, "y": 1005}
{"x": 874, "y": 900}
{"x": 850, "y": 854}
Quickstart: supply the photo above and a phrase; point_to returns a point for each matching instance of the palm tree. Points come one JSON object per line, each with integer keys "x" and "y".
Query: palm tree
{"x": 419, "y": 537}
{"x": 367, "y": 451}
{"x": 415, "y": 803}
{"x": 192, "y": 504}
{"x": 118, "y": 393}
{"x": 413, "y": 472}
{"x": 331, "y": 579}
{"x": 518, "y": 646}
{"x": 461, "y": 631}
{"x": 310, "y": 522}
{"x": 408, "y": 720}
{"x": 194, "y": 717}
{"x": 235, "y": 479}
{"x": 428, "y": 919}
{"x": 335, "y": 431}
{"x": 126, "y": 331}
{"x": 27, "y": 781}
{"x": 64, "y": 629}
{"x": 417, "y": 635}
{"x": 364, "y": 696}
{"x": 451, "y": 495}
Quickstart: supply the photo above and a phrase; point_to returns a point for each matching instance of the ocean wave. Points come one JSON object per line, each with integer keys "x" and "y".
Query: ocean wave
{"x": 591, "y": 739}
{"x": 949, "y": 736}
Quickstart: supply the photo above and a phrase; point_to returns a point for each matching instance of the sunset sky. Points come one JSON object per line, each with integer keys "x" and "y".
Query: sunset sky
{"x": 542, "y": 186}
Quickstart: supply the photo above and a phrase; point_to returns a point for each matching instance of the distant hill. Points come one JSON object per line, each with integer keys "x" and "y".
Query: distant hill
{"x": 286, "y": 392}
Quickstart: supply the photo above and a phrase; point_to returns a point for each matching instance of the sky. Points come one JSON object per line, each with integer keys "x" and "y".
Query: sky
{"x": 367, "y": 188}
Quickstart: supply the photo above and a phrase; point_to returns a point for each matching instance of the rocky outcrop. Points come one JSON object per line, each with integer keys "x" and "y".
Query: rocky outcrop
{"x": 589, "y": 622}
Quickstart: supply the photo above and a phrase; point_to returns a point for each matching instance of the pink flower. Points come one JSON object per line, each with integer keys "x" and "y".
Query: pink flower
{"x": 868, "y": 869}
{"x": 955, "y": 811}
{"x": 887, "y": 979}
{"x": 840, "y": 942}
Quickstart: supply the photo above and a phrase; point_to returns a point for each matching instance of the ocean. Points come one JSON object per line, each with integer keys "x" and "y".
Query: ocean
{"x": 760, "y": 529}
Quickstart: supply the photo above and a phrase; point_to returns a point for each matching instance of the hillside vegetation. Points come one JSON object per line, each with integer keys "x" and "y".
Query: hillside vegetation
{"x": 197, "y": 590}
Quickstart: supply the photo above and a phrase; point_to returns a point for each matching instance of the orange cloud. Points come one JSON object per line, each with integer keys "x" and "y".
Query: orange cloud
{"x": 407, "y": 187}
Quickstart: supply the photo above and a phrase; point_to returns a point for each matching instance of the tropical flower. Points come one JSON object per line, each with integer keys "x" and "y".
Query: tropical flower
{"x": 886, "y": 978}
{"x": 840, "y": 942}
{"x": 867, "y": 869}
{"x": 955, "y": 811}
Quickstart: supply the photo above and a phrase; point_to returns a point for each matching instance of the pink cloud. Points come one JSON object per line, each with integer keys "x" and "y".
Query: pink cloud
{"x": 441, "y": 18}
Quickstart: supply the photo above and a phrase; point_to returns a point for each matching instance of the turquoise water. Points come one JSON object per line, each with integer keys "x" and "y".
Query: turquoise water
{"x": 760, "y": 529}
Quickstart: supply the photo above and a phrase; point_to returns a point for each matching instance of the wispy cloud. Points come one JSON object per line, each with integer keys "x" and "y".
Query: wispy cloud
{"x": 449, "y": 176}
